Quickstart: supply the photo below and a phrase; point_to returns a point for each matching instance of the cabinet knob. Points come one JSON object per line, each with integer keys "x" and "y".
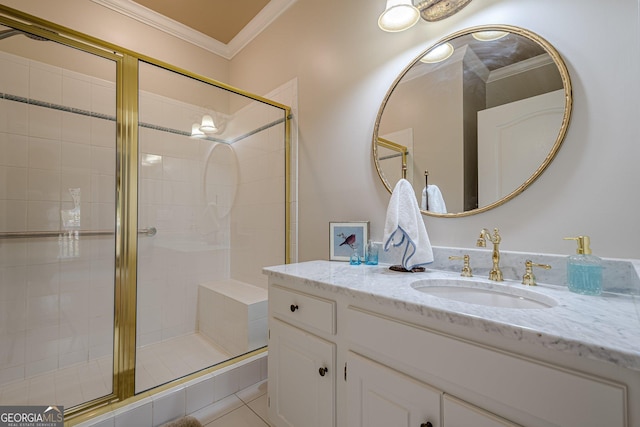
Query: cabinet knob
{"x": 322, "y": 371}
{"x": 427, "y": 424}
{"x": 293, "y": 308}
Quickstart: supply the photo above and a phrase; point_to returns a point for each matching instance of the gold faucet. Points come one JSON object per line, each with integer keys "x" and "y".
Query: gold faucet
{"x": 529, "y": 278}
{"x": 466, "y": 269}
{"x": 495, "y": 273}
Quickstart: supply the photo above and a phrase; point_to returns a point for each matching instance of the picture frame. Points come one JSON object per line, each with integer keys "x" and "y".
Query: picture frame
{"x": 346, "y": 236}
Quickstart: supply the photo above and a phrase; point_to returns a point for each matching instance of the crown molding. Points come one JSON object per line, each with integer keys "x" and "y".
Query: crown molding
{"x": 520, "y": 67}
{"x": 142, "y": 14}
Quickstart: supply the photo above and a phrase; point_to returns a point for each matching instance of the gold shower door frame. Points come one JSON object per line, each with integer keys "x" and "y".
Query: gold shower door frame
{"x": 127, "y": 67}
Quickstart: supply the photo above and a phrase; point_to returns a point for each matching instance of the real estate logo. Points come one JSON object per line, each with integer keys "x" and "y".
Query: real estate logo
{"x": 32, "y": 416}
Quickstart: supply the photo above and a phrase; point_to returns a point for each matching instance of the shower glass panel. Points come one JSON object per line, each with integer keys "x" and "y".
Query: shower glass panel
{"x": 57, "y": 222}
{"x": 212, "y": 185}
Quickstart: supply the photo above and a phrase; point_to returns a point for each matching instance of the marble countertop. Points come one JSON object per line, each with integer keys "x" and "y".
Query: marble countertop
{"x": 604, "y": 328}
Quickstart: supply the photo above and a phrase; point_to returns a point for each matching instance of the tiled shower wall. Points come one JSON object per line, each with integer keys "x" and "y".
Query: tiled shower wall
{"x": 258, "y": 215}
{"x": 194, "y": 245}
{"x": 190, "y": 247}
{"x": 56, "y": 295}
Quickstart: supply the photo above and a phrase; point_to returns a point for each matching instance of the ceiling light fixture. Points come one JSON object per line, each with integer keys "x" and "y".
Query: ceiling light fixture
{"x": 438, "y": 54}
{"x": 400, "y": 15}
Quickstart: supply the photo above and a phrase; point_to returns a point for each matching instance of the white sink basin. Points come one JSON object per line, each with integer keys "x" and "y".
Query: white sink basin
{"x": 482, "y": 293}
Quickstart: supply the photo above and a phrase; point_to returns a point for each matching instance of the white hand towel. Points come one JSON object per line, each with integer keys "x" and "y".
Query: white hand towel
{"x": 436, "y": 201}
{"x": 404, "y": 225}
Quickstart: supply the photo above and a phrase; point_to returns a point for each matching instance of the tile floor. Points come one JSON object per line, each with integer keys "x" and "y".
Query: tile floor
{"x": 246, "y": 408}
{"x": 174, "y": 358}
{"x": 67, "y": 386}
{"x": 156, "y": 364}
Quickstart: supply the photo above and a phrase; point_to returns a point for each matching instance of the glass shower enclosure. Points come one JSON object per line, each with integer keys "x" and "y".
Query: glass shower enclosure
{"x": 138, "y": 205}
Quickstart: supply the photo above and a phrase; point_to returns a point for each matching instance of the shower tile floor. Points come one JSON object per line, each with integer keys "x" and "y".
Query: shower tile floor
{"x": 165, "y": 361}
{"x": 155, "y": 364}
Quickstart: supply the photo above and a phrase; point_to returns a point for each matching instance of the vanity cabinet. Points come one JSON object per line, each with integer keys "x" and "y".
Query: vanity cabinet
{"x": 336, "y": 359}
{"x": 458, "y": 413}
{"x": 512, "y": 386}
{"x": 378, "y": 396}
{"x": 302, "y": 374}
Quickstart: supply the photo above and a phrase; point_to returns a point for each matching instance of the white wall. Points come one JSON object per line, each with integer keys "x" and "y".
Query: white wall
{"x": 345, "y": 64}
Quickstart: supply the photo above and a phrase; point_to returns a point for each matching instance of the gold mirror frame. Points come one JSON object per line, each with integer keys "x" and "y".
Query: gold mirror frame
{"x": 566, "y": 82}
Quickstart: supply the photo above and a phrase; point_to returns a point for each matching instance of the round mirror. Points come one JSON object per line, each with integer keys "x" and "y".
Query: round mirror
{"x": 474, "y": 119}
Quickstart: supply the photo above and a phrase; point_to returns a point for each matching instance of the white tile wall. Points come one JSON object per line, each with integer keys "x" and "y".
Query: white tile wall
{"x": 192, "y": 245}
{"x": 56, "y": 296}
{"x": 57, "y": 305}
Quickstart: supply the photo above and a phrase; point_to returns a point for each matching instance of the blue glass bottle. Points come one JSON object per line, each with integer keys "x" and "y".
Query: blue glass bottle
{"x": 355, "y": 258}
{"x": 371, "y": 257}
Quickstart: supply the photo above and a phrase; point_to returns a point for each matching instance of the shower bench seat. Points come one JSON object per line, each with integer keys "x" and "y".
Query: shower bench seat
{"x": 233, "y": 314}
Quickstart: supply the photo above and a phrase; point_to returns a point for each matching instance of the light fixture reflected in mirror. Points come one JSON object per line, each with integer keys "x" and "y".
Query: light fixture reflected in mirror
{"x": 196, "y": 132}
{"x": 488, "y": 36}
{"x": 208, "y": 126}
{"x": 438, "y": 54}
{"x": 400, "y": 15}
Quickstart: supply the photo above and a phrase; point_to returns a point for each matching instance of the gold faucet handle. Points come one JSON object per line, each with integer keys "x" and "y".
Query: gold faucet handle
{"x": 529, "y": 278}
{"x": 466, "y": 268}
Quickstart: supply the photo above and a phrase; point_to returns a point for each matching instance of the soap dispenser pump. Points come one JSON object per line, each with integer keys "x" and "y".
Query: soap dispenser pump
{"x": 584, "y": 270}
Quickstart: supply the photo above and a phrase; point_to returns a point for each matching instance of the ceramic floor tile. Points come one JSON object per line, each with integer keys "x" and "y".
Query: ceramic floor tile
{"x": 259, "y": 406}
{"x": 218, "y": 409}
{"x": 241, "y": 417}
{"x": 253, "y": 392}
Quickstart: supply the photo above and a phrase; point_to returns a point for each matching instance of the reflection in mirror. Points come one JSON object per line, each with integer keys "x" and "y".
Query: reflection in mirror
{"x": 484, "y": 120}
{"x": 394, "y": 156}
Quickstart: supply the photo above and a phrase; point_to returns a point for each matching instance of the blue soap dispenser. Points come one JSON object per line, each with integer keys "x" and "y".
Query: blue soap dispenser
{"x": 584, "y": 270}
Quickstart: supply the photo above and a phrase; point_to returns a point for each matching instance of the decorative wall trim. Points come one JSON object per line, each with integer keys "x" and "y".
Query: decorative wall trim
{"x": 142, "y": 14}
{"x": 81, "y": 112}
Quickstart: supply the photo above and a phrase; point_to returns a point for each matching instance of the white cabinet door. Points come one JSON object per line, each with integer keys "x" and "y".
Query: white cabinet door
{"x": 457, "y": 413}
{"x": 514, "y": 140}
{"x": 378, "y": 396}
{"x": 301, "y": 378}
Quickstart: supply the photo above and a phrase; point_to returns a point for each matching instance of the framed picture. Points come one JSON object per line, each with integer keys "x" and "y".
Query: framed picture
{"x": 345, "y": 237}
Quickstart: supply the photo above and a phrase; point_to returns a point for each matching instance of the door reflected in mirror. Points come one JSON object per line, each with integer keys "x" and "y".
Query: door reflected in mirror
{"x": 477, "y": 127}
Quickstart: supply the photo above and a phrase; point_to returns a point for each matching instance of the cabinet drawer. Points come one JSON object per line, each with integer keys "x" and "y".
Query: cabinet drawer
{"x": 530, "y": 390}
{"x": 302, "y": 309}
